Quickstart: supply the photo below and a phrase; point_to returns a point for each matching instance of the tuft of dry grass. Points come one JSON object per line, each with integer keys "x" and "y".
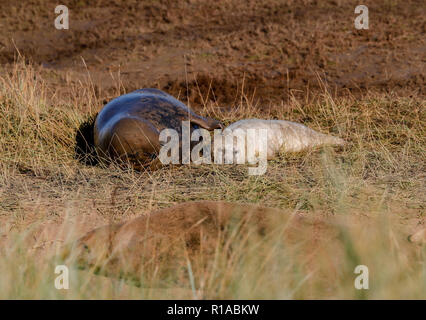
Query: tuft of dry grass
{"x": 374, "y": 187}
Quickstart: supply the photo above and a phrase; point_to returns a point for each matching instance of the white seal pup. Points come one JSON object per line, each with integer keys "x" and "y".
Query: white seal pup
{"x": 282, "y": 136}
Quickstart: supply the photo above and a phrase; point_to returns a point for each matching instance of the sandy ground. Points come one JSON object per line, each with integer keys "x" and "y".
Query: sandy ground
{"x": 267, "y": 49}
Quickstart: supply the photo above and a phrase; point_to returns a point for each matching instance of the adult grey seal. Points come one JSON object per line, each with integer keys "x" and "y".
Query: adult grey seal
{"x": 128, "y": 127}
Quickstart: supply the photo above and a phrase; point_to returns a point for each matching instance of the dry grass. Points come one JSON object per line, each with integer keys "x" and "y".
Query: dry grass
{"x": 376, "y": 184}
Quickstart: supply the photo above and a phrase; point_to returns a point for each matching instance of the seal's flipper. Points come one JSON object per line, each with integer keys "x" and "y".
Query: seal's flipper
{"x": 206, "y": 123}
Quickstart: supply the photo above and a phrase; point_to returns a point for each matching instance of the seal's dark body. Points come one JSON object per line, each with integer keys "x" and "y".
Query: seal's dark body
{"x": 128, "y": 127}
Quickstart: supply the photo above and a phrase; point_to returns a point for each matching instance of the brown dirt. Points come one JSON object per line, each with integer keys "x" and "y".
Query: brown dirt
{"x": 204, "y": 50}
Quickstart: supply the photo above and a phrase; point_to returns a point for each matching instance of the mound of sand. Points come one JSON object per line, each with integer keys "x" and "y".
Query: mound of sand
{"x": 173, "y": 235}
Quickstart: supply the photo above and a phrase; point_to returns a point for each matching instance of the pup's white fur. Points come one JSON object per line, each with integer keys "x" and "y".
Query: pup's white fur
{"x": 283, "y": 136}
